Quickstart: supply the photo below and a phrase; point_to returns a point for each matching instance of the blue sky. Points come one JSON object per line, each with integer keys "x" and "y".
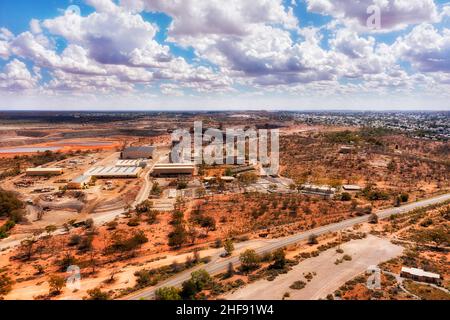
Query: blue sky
{"x": 210, "y": 54}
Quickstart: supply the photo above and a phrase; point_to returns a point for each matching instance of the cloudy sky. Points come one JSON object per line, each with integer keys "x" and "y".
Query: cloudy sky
{"x": 225, "y": 54}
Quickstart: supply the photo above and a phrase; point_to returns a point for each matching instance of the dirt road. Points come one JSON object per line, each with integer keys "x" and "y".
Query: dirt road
{"x": 329, "y": 277}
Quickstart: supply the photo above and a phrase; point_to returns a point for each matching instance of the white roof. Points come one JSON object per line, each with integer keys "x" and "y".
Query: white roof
{"x": 40, "y": 169}
{"x": 317, "y": 187}
{"x": 81, "y": 179}
{"x": 420, "y": 272}
{"x": 113, "y": 171}
{"x": 174, "y": 165}
{"x": 351, "y": 187}
{"x": 129, "y": 163}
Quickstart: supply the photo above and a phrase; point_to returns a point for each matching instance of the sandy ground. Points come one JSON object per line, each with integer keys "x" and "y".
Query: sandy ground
{"x": 27, "y": 290}
{"x": 330, "y": 277}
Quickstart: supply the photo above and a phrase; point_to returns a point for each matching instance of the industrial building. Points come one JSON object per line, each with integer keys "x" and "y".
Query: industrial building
{"x": 114, "y": 172}
{"x": 325, "y": 191}
{"x": 131, "y": 163}
{"x": 142, "y": 152}
{"x": 44, "y": 171}
{"x": 173, "y": 169}
{"x": 420, "y": 275}
{"x": 80, "y": 182}
{"x": 351, "y": 187}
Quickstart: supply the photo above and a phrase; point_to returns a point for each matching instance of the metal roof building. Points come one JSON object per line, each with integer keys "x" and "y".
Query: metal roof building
{"x": 420, "y": 275}
{"x": 131, "y": 163}
{"x": 351, "y": 187}
{"x": 173, "y": 169}
{"x": 44, "y": 171}
{"x": 79, "y": 182}
{"x": 114, "y": 172}
{"x": 318, "y": 190}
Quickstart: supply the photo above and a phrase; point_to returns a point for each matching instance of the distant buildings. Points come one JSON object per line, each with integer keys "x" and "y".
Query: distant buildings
{"x": 142, "y": 152}
{"x": 114, "y": 172}
{"x": 420, "y": 275}
{"x": 325, "y": 191}
{"x": 351, "y": 187}
{"x": 173, "y": 169}
{"x": 44, "y": 171}
{"x": 79, "y": 182}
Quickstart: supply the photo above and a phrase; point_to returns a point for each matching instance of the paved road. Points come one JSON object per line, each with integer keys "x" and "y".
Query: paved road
{"x": 218, "y": 265}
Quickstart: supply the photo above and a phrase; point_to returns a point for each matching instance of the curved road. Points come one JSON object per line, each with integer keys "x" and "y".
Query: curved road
{"x": 218, "y": 264}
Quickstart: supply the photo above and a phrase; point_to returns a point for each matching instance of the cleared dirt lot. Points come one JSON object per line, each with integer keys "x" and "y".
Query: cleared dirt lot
{"x": 369, "y": 251}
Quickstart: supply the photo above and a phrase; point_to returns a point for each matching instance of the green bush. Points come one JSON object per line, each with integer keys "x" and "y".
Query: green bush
{"x": 167, "y": 293}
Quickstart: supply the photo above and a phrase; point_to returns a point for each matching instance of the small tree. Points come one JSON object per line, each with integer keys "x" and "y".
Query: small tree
{"x": 373, "y": 218}
{"x": 189, "y": 290}
{"x": 167, "y": 293}
{"x": 27, "y": 247}
{"x": 279, "y": 259}
{"x": 230, "y": 270}
{"x": 5, "y": 284}
{"x": 345, "y": 196}
{"x": 98, "y": 294}
{"x": 312, "y": 239}
{"x": 249, "y": 260}
{"x": 156, "y": 189}
{"x": 228, "y": 246}
{"x": 178, "y": 236}
{"x": 50, "y": 229}
{"x": 56, "y": 283}
{"x": 201, "y": 278}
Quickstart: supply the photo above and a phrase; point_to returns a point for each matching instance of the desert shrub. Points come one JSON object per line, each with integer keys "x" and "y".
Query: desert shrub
{"x": 249, "y": 260}
{"x": 298, "y": 285}
{"x": 404, "y": 197}
{"x": 228, "y": 246}
{"x": 5, "y": 284}
{"x": 67, "y": 261}
{"x": 11, "y": 207}
{"x": 178, "y": 236}
{"x": 56, "y": 283}
{"x": 167, "y": 293}
{"x": 112, "y": 225}
{"x": 121, "y": 243}
{"x": 426, "y": 223}
{"x": 200, "y": 279}
{"x": 279, "y": 259}
{"x": 133, "y": 222}
{"x": 345, "y": 196}
{"x": 75, "y": 240}
{"x": 373, "y": 218}
{"x": 312, "y": 239}
{"x": 98, "y": 294}
{"x": 144, "y": 206}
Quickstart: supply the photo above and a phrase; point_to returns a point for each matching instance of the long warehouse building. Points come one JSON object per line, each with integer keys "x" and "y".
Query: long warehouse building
{"x": 114, "y": 172}
{"x": 44, "y": 171}
{"x": 173, "y": 169}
